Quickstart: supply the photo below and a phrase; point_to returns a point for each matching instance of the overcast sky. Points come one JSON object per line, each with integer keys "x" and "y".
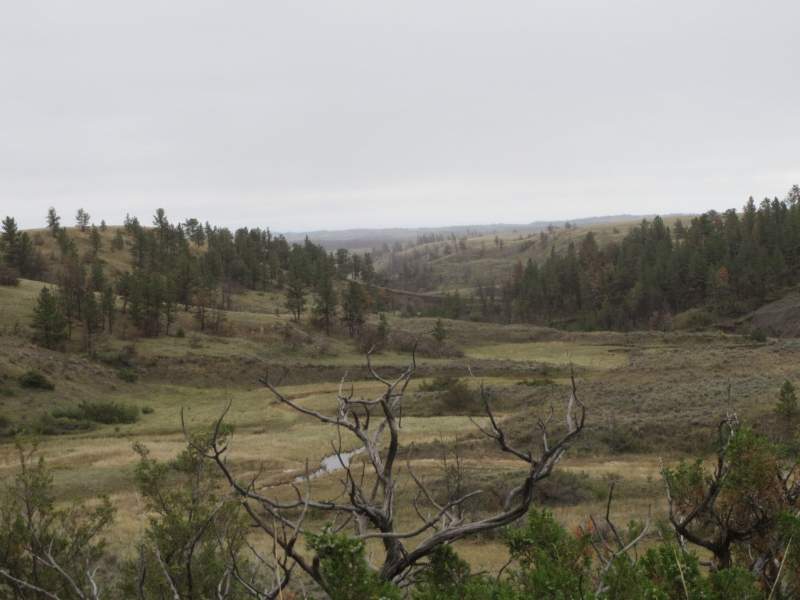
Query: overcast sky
{"x": 303, "y": 115}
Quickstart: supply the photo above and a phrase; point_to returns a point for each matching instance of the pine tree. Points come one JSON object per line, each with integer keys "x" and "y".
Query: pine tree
{"x": 383, "y": 328}
{"x": 787, "y": 407}
{"x": 82, "y": 219}
{"x": 324, "y": 309}
{"x": 92, "y": 318}
{"x": 53, "y": 221}
{"x": 49, "y": 323}
{"x": 108, "y": 303}
{"x": 10, "y": 242}
{"x": 439, "y": 332}
{"x": 354, "y": 306}
{"x": 118, "y": 241}
{"x": 295, "y": 295}
{"x": 95, "y": 240}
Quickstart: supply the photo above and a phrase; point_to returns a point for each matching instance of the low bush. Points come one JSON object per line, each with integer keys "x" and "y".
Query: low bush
{"x": 693, "y": 319}
{"x": 35, "y": 380}
{"x": 49, "y": 424}
{"x": 148, "y": 410}
{"x": 128, "y": 374}
{"x": 119, "y": 358}
{"x": 536, "y": 382}
{"x": 438, "y": 384}
{"x": 758, "y": 335}
{"x": 454, "y": 394}
{"x": 621, "y": 440}
{"x": 8, "y": 276}
{"x": 6, "y": 426}
{"x": 107, "y": 413}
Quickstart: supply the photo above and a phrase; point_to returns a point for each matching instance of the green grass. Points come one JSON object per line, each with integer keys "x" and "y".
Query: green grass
{"x": 17, "y": 302}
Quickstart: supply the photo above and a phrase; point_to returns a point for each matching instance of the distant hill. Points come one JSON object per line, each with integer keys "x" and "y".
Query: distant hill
{"x": 366, "y": 239}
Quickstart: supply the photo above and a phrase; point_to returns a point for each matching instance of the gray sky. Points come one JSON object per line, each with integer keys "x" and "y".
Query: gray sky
{"x": 334, "y": 114}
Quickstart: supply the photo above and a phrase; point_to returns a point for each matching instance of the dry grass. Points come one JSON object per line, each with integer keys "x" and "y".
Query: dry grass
{"x": 667, "y": 389}
{"x": 598, "y": 357}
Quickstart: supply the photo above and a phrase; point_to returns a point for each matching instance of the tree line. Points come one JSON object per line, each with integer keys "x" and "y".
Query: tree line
{"x": 186, "y": 266}
{"x": 726, "y": 262}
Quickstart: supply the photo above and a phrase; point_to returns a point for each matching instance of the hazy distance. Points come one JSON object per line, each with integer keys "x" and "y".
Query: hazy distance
{"x": 328, "y": 115}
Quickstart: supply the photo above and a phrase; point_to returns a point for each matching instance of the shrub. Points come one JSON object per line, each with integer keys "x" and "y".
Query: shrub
{"x": 122, "y": 358}
{"x": 107, "y": 413}
{"x": 180, "y": 333}
{"x": 342, "y": 561}
{"x": 758, "y": 335}
{"x": 49, "y": 424}
{"x": 148, "y": 410}
{"x": 620, "y": 440}
{"x": 6, "y": 426}
{"x": 128, "y": 374}
{"x": 8, "y": 276}
{"x": 536, "y": 382}
{"x": 438, "y": 384}
{"x": 454, "y": 393}
{"x": 693, "y": 319}
{"x": 35, "y": 380}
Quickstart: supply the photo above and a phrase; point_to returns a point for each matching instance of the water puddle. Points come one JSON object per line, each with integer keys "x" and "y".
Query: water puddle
{"x": 331, "y": 464}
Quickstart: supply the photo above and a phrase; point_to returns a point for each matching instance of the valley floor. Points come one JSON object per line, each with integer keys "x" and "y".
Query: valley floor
{"x": 651, "y": 397}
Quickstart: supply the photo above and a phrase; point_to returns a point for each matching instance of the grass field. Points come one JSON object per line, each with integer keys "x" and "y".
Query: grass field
{"x": 650, "y": 396}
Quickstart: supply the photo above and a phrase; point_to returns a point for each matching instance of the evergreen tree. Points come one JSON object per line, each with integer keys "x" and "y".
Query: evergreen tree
{"x": 53, "y": 221}
{"x": 95, "y": 240}
{"x": 354, "y": 306}
{"x": 82, "y": 219}
{"x": 382, "y": 332}
{"x": 92, "y": 319}
{"x": 10, "y": 242}
{"x": 325, "y": 301}
{"x": 787, "y": 407}
{"x": 439, "y": 332}
{"x": 295, "y": 295}
{"x": 118, "y": 241}
{"x": 108, "y": 304}
{"x": 49, "y": 323}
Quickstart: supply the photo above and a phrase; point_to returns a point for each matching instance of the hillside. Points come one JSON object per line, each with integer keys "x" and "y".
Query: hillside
{"x": 463, "y": 263}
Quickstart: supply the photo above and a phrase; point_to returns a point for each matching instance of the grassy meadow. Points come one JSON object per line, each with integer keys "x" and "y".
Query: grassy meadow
{"x": 651, "y": 397}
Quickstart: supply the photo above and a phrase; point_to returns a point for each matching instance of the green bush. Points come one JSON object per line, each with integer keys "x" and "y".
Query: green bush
{"x": 693, "y": 319}
{"x": 35, "y": 380}
{"x": 6, "y": 426}
{"x": 454, "y": 393}
{"x": 621, "y": 440}
{"x": 8, "y": 276}
{"x": 148, "y": 410}
{"x": 107, "y": 413}
{"x": 342, "y": 562}
{"x": 758, "y": 335}
{"x": 439, "y": 384}
{"x": 50, "y": 424}
{"x": 128, "y": 374}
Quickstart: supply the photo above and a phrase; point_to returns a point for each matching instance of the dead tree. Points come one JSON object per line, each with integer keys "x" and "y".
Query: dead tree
{"x": 610, "y": 542}
{"x": 738, "y": 504}
{"x": 368, "y": 502}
